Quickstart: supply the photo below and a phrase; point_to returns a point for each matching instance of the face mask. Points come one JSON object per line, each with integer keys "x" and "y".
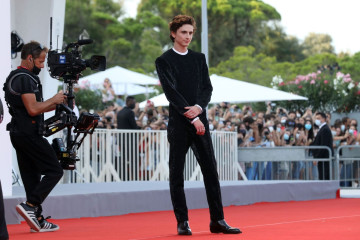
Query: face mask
{"x": 333, "y": 133}
{"x": 211, "y": 127}
{"x": 271, "y": 129}
{"x": 351, "y": 131}
{"x": 286, "y": 137}
{"x": 297, "y": 135}
{"x": 283, "y": 121}
{"x": 342, "y": 128}
{"x": 318, "y": 122}
{"x": 36, "y": 70}
{"x": 308, "y": 126}
{"x": 298, "y": 115}
{"x": 278, "y": 130}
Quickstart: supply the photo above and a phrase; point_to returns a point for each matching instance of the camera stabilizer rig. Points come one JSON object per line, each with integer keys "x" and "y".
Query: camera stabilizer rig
{"x": 67, "y": 66}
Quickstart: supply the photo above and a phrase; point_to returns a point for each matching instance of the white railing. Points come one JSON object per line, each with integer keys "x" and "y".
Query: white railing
{"x": 111, "y": 155}
{"x": 283, "y": 163}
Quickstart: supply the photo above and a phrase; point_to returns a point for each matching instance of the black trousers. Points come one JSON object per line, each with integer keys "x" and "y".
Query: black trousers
{"x": 36, "y": 157}
{"x": 3, "y": 230}
{"x": 181, "y": 136}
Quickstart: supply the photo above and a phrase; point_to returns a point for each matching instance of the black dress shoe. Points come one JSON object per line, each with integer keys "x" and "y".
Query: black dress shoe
{"x": 222, "y": 227}
{"x": 183, "y": 228}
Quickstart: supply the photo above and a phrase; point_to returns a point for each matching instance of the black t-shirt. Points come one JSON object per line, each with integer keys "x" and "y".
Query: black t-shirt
{"x": 22, "y": 81}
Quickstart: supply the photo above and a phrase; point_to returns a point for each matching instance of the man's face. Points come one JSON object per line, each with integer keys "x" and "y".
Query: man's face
{"x": 318, "y": 117}
{"x": 39, "y": 62}
{"x": 183, "y": 35}
{"x": 131, "y": 104}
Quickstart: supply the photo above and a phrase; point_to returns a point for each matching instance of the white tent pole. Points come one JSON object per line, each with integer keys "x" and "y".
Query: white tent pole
{"x": 147, "y": 91}
{"x": 204, "y": 28}
{"x": 204, "y": 34}
{"x": 126, "y": 92}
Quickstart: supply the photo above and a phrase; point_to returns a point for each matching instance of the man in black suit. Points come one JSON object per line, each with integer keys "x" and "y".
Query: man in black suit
{"x": 126, "y": 116}
{"x": 128, "y": 146}
{"x": 185, "y": 80}
{"x": 323, "y": 138}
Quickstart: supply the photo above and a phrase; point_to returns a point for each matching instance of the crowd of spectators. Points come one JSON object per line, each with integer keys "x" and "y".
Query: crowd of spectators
{"x": 274, "y": 127}
{"x": 271, "y": 128}
{"x": 149, "y": 118}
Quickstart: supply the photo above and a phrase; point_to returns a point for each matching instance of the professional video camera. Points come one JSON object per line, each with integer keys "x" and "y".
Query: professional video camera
{"x": 67, "y": 66}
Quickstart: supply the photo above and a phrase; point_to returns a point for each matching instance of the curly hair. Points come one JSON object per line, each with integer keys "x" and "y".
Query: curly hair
{"x": 178, "y": 21}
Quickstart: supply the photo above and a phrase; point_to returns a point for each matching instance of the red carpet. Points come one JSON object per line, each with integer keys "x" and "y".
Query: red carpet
{"x": 321, "y": 219}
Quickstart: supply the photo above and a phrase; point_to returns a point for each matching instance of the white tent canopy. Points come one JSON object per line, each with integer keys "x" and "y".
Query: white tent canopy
{"x": 235, "y": 91}
{"x": 131, "y": 89}
{"x": 124, "y": 81}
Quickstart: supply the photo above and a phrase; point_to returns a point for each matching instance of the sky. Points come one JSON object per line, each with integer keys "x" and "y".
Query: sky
{"x": 337, "y": 18}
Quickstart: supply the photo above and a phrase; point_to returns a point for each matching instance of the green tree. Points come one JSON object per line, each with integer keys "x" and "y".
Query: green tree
{"x": 143, "y": 37}
{"x": 231, "y": 22}
{"x": 96, "y": 17}
{"x": 247, "y": 66}
{"x": 258, "y": 68}
{"x": 316, "y": 43}
{"x": 130, "y": 43}
{"x": 87, "y": 99}
{"x": 275, "y": 42}
{"x": 288, "y": 71}
{"x": 325, "y": 92}
{"x": 351, "y": 64}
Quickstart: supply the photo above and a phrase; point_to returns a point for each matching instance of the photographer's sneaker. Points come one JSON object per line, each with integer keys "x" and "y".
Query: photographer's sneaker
{"x": 46, "y": 226}
{"x": 29, "y": 214}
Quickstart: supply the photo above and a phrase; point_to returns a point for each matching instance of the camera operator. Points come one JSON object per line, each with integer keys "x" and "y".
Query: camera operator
{"x": 3, "y": 230}
{"x": 36, "y": 157}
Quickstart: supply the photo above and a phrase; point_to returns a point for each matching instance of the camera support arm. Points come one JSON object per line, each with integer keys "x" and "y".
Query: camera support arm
{"x": 68, "y": 66}
{"x": 64, "y": 117}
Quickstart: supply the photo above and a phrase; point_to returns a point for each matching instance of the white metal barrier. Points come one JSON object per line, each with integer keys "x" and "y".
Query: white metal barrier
{"x": 112, "y": 155}
{"x": 283, "y": 163}
{"x": 348, "y": 160}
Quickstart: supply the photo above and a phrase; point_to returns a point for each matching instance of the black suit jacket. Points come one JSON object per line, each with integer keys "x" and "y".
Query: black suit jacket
{"x": 323, "y": 138}
{"x": 126, "y": 119}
